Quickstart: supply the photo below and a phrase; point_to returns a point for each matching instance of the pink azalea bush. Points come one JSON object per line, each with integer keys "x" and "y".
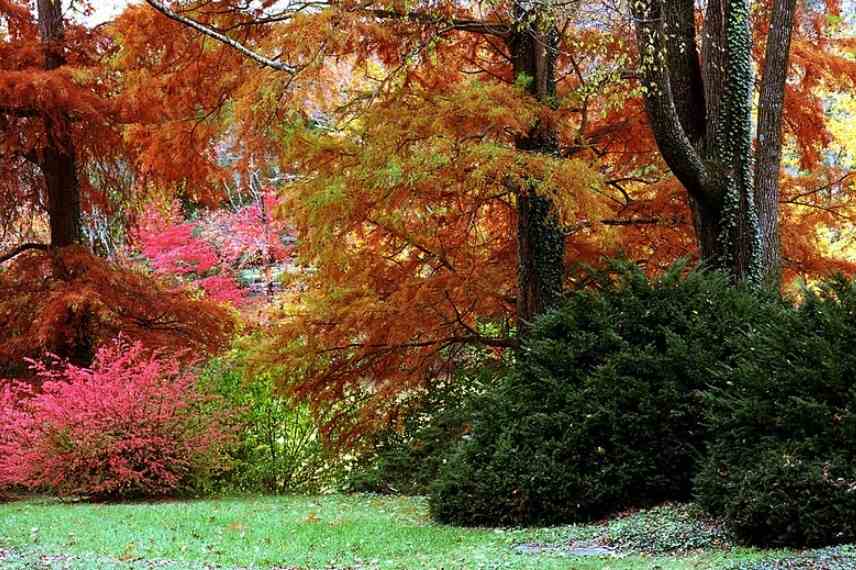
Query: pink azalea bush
{"x": 133, "y": 425}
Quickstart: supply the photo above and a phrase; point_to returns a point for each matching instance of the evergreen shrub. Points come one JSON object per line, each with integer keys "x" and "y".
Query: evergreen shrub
{"x": 782, "y": 463}
{"x": 604, "y": 408}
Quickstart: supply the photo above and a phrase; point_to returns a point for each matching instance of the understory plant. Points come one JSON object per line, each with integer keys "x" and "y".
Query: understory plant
{"x": 133, "y": 425}
{"x": 279, "y": 447}
{"x": 407, "y": 456}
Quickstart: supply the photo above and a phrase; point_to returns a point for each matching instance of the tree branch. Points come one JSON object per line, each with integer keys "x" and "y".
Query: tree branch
{"x": 672, "y": 140}
{"x": 21, "y": 112}
{"x": 498, "y": 29}
{"x": 682, "y": 60}
{"x": 222, "y": 38}
{"x": 631, "y": 222}
{"x": 15, "y": 251}
{"x": 840, "y": 180}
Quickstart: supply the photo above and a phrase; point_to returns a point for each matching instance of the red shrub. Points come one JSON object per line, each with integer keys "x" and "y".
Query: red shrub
{"x": 133, "y": 425}
{"x": 17, "y": 433}
{"x": 210, "y": 250}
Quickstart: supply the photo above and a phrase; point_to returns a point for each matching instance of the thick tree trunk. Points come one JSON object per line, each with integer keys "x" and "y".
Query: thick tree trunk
{"x": 58, "y": 166}
{"x": 58, "y": 161}
{"x": 540, "y": 239}
{"x": 769, "y": 148}
{"x": 701, "y": 118}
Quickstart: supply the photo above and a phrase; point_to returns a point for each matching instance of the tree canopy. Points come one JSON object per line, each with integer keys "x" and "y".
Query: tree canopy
{"x": 443, "y": 165}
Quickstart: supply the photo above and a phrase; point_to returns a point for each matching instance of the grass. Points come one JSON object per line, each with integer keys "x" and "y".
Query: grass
{"x": 359, "y": 531}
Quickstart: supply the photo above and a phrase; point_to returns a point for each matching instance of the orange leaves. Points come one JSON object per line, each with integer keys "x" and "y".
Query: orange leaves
{"x": 65, "y": 107}
{"x": 406, "y": 221}
{"x": 69, "y": 302}
{"x": 53, "y": 92}
{"x": 817, "y": 213}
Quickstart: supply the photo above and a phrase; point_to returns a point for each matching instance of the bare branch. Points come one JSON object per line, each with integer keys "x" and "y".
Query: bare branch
{"x": 829, "y": 186}
{"x": 632, "y": 222}
{"x": 499, "y": 29}
{"x": 222, "y": 38}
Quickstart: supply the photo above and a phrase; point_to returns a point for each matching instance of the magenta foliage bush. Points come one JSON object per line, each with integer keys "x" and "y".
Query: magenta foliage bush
{"x": 133, "y": 425}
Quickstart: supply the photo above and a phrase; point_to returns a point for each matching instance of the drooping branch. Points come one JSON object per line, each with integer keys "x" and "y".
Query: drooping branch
{"x": 222, "y": 38}
{"x": 17, "y": 250}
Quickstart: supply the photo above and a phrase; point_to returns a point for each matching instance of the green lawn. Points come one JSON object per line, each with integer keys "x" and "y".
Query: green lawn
{"x": 308, "y": 532}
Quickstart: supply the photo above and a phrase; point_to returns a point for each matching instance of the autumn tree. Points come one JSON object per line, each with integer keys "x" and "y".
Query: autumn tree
{"x": 529, "y": 33}
{"x": 415, "y": 139}
{"x": 67, "y": 147}
{"x": 49, "y": 101}
{"x": 421, "y": 190}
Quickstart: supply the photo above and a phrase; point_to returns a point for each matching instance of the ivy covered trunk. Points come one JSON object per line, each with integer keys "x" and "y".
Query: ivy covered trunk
{"x": 701, "y": 116}
{"x": 57, "y": 159}
{"x": 540, "y": 238}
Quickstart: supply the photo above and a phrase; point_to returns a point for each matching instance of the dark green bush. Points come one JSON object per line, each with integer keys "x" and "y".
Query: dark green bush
{"x": 782, "y": 463}
{"x": 603, "y": 410}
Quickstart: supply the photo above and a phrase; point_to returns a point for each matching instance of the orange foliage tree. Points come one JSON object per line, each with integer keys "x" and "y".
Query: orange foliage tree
{"x": 65, "y": 117}
{"x": 69, "y": 303}
{"x": 55, "y": 117}
{"x": 418, "y": 139}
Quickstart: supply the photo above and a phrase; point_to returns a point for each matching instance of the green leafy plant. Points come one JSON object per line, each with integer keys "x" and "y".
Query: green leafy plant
{"x": 603, "y": 410}
{"x": 406, "y": 458}
{"x": 280, "y": 448}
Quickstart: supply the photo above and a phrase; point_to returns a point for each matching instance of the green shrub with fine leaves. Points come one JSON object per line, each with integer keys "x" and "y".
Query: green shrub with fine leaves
{"x": 603, "y": 410}
{"x": 406, "y": 458}
{"x": 279, "y": 449}
{"x": 782, "y": 463}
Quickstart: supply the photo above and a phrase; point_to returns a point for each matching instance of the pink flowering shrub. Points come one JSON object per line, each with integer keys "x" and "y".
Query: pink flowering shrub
{"x": 133, "y": 425}
{"x": 17, "y": 434}
{"x": 210, "y": 250}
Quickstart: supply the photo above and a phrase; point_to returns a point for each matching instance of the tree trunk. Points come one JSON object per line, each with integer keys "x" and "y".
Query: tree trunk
{"x": 734, "y": 204}
{"x": 769, "y": 149}
{"x": 58, "y": 166}
{"x": 57, "y": 160}
{"x": 540, "y": 238}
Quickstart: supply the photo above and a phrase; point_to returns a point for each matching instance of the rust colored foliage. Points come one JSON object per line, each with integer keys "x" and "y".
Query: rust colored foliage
{"x": 398, "y": 125}
{"x": 117, "y": 109}
{"x": 66, "y": 99}
{"x": 44, "y": 109}
{"x": 70, "y": 302}
{"x": 398, "y": 128}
